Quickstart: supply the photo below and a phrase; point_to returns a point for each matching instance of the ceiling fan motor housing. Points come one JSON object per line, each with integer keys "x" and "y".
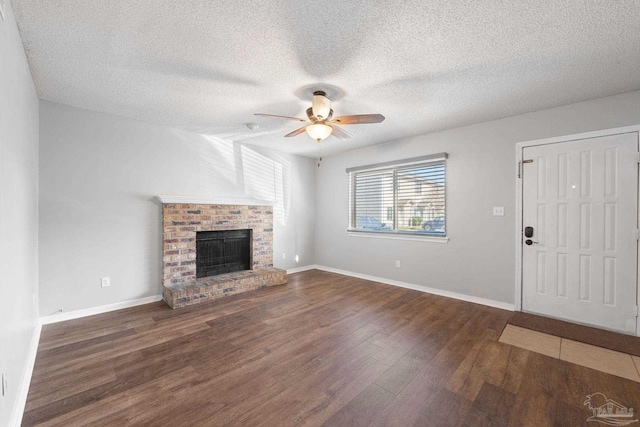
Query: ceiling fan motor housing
{"x": 321, "y": 105}
{"x": 314, "y": 119}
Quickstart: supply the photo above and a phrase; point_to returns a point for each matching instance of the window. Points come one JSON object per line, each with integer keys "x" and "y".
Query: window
{"x": 408, "y": 194}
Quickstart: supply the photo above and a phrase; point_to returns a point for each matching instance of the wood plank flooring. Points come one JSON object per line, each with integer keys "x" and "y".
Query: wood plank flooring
{"x": 324, "y": 349}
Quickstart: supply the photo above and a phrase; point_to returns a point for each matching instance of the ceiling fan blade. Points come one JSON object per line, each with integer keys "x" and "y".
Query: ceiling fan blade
{"x": 282, "y": 117}
{"x": 296, "y": 132}
{"x": 339, "y": 133}
{"x": 358, "y": 119}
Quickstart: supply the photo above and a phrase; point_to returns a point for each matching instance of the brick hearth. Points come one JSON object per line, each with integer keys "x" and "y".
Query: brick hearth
{"x": 181, "y": 221}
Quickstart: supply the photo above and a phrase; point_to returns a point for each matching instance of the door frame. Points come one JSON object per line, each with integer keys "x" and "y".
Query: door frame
{"x": 519, "y": 211}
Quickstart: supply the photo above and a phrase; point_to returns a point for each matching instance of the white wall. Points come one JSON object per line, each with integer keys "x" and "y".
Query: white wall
{"x": 479, "y": 259}
{"x": 99, "y": 175}
{"x": 18, "y": 214}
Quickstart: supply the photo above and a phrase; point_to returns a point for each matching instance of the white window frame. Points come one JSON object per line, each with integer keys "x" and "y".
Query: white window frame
{"x": 395, "y": 234}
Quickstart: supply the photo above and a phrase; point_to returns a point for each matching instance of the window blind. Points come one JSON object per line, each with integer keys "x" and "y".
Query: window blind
{"x": 399, "y": 198}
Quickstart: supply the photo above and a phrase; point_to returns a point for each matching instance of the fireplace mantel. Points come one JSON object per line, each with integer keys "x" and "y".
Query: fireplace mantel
{"x": 199, "y": 200}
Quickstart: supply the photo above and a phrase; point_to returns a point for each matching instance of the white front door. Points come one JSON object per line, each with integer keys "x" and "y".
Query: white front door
{"x": 581, "y": 200}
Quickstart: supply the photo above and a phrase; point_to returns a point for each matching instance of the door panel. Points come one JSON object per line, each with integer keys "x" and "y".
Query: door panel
{"x": 581, "y": 197}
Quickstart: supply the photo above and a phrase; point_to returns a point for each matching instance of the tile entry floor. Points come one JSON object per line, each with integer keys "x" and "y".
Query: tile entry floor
{"x": 601, "y": 359}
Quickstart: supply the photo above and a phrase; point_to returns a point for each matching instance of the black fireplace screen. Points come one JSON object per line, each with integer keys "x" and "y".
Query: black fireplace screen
{"x": 219, "y": 252}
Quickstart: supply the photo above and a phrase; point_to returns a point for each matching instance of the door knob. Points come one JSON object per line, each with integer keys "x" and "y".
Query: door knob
{"x": 530, "y": 242}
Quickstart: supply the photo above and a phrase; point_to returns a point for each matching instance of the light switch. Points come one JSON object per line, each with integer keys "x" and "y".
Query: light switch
{"x": 498, "y": 211}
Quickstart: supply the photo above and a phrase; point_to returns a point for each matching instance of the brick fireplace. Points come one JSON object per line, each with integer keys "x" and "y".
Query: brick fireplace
{"x": 182, "y": 218}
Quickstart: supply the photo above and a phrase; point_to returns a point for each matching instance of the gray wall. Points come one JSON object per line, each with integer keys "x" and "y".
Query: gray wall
{"x": 479, "y": 259}
{"x": 18, "y": 211}
{"x": 99, "y": 176}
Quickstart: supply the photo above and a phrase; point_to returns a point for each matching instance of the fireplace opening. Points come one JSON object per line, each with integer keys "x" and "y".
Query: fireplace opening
{"x": 223, "y": 251}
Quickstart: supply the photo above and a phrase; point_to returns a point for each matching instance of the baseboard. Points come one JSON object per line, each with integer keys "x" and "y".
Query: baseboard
{"x": 23, "y": 390}
{"x": 61, "y": 317}
{"x": 463, "y": 297}
{"x": 303, "y": 268}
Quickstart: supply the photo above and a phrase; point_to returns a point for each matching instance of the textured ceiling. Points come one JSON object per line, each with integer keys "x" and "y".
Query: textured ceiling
{"x": 207, "y": 66}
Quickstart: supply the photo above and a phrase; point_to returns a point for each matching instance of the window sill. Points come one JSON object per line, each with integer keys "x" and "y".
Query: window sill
{"x": 398, "y": 236}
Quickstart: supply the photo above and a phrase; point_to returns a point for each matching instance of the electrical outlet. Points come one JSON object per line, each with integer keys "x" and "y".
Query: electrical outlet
{"x": 297, "y": 259}
{"x": 106, "y": 282}
{"x": 5, "y": 386}
{"x": 498, "y": 211}
{"x": 284, "y": 255}
{"x": 397, "y": 264}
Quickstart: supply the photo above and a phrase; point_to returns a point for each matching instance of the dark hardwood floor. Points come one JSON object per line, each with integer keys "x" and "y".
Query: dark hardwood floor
{"x": 324, "y": 349}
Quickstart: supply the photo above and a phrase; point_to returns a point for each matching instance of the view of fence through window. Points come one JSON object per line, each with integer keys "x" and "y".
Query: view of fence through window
{"x": 404, "y": 199}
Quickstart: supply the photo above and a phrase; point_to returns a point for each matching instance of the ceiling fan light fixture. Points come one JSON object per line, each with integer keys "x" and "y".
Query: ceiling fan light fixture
{"x": 319, "y": 131}
{"x": 321, "y": 105}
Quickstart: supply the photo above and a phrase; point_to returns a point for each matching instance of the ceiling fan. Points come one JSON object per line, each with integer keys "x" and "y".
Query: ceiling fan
{"x": 321, "y": 120}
